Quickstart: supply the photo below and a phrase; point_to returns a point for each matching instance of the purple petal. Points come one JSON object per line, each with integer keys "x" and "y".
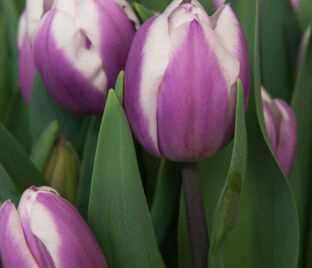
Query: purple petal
{"x": 233, "y": 40}
{"x": 217, "y": 4}
{"x": 287, "y": 137}
{"x": 62, "y": 231}
{"x": 146, "y": 64}
{"x": 27, "y": 69}
{"x": 194, "y": 109}
{"x": 270, "y": 126}
{"x": 13, "y": 248}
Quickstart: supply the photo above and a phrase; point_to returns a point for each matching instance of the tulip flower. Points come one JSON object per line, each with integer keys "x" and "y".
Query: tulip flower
{"x": 181, "y": 81}
{"x": 280, "y": 123}
{"x": 46, "y": 231}
{"x": 27, "y": 69}
{"x": 217, "y": 4}
{"x": 79, "y": 48}
{"x": 295, "y": 4}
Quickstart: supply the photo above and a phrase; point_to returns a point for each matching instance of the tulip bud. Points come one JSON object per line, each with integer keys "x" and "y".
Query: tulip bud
{"x": 46, "y": 231}
{"x": 79, "y": 48}
{"x": 280, "y": 123}
{"x": 295, "y": 4}
{"x": 181, "y": 81}
{"x": 217, "y": 3}
{"x": 27, "y": 69}
{"x": 62, "y": 169}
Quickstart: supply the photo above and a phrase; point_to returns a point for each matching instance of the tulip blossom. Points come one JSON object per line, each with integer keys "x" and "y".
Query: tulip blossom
{"x": 295, "y": 4}
{"x": 46, "y": 231}
{"x": 217, "y": 3}
{"x": 79, "y": 48}
{"x": 280, "y": 123}
{"x": 181, "y": 81}
{"x": 27, "y": 69}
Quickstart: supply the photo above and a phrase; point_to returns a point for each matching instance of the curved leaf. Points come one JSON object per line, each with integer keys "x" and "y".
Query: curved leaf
{"x": 118, "y": 211}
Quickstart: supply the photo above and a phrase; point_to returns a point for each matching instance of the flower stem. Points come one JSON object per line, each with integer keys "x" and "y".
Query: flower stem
{"x": 196, "y": 220}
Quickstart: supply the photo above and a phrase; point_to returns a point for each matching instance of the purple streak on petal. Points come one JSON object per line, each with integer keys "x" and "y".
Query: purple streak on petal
{"x": 13, "y": 248}
{"x": 133, "y": 77}
{"x": 71, "y": 242}
{"x": 287, "y": 137}
{"x": 233, "y": 39}
{"x": 217, "y": 3}
{"x": 27, "y": 69}
{"x": 64, "y": 82}
{"x": 193, "y": 106}
{"x": 117, "y": 33}
{"x": 39, "y": 252}
{"x": 270, "y": 126}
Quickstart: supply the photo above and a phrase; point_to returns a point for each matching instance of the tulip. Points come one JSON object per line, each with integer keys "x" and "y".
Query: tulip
{"x": 181, "y": 81}
{"x": 79, "y": 48}
{"x": 27, "y": 69}
{"x": 46, "y": 231}
{"x": 295, "y": 4}
{"x": 62, "y": 168}
{"x": 217, "y": 4}
{"x": 281, "y": 127}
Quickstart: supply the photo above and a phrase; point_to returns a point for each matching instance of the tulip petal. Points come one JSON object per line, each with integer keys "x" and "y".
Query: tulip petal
{"x": 270, "y": 126}
{"x": 147, "y": 61}
{"x": 233, "y": 40}
{"x": 287, "y": 141}
{"x": 191, "y": 97}
{"x": 62, "y": 231}
{"x": 27, "y": 69}
{"x": 13, "y": 246}
{"x": 61, "y": 72}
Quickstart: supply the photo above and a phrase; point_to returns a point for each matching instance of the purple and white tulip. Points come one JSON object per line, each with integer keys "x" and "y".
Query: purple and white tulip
{"x": 27, "y": 69}
{"x": 79, "y": 48}
{"x": 295, "y": 4}
{"x": 180, "y": 81}
{"x": 217, "y": 4}
{"x": 281, "y": 126}
{"x": 46, "y": 231}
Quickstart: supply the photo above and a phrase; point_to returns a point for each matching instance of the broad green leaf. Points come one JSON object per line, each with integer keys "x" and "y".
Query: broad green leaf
{"x": 10, "y": 12}
{"x": 43, "y": 147}
{"x": 8, "y": 189}
{"x": 17, "y": 120}
{"x": 118, "y": 211}
{"x": 280, "y": 37}
{"x": 43, "y": 110}
{"x": 87, "y": 162}
{"x": 119, "y": 86}
{"x": 305, "y": 14}
{"x": 301, "y": 174}
{"x": 158, "y": 5}
{"x": 166, "y": 198}
{"x": 143, "y": 12}
{"x": 5, "y": 90}
{"x": 228, "y": 206}
{"x": 16, "y": 162}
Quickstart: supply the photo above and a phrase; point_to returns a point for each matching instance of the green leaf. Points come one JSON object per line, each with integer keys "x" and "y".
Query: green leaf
{"x": 10, "y": 12}
{"x": 166, "y": 199}
{"x": 87, "y": 163}
{"x": 44, "y": 110}
{"x": 143, "y": 12}
{"x": 16, "y": 162}
{"x": 43, "y": 147}
{"x": 228, "y": 205}
{"x": 118, "y": 211}
{"x": 17, "y": 120}
{"x": 8, "y": 189}
{"x": 158, "y": 5}
{"x": 119, "y": 86}
{"x": 5, "y": 91}
{"x": 280, "y": 37}
{"x": 305, "y": 14}
{"x": 301, "y": 104}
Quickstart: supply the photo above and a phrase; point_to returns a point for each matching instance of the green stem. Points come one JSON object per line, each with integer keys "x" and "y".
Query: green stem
{"x": 196, "y": 220}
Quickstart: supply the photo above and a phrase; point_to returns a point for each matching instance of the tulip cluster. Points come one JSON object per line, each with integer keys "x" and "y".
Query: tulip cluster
{"x": 46, "y": 231}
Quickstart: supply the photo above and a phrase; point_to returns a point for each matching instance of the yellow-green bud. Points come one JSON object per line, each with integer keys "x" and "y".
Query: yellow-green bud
{"x": 62, "y": 168}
